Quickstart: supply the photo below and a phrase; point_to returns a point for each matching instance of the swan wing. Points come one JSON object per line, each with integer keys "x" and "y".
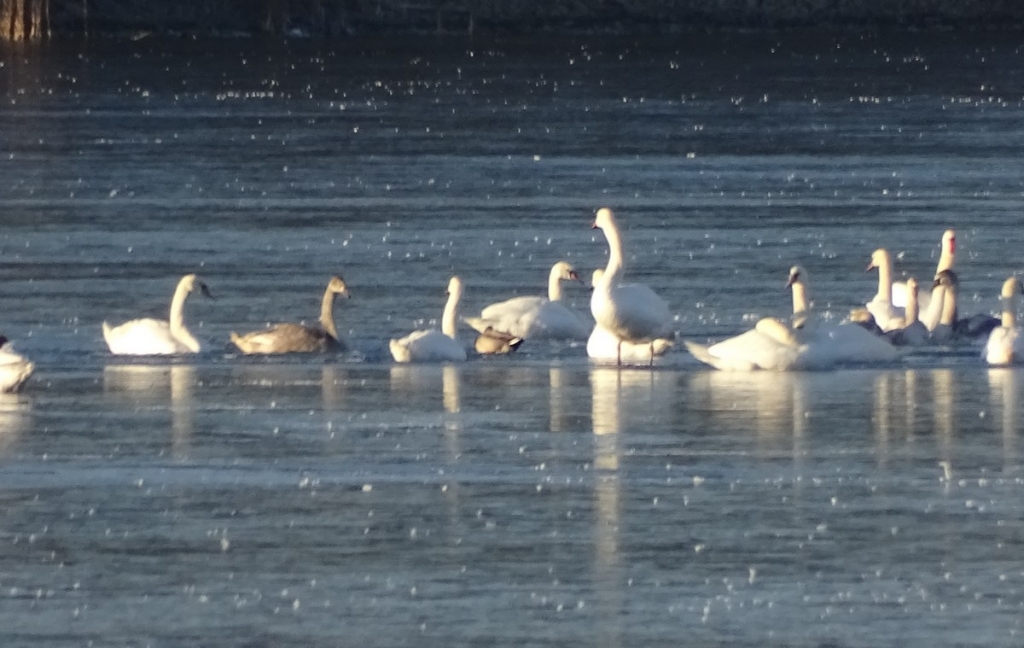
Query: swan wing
{"x": 426, "y": 346}
{"x": 146, "y": 336}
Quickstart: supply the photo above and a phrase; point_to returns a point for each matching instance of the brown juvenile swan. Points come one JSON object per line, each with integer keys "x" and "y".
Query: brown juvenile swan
{"x": 295, "y": 338}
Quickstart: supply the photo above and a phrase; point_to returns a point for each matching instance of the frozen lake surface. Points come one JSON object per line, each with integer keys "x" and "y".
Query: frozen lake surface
{"x": 528, "y": 500}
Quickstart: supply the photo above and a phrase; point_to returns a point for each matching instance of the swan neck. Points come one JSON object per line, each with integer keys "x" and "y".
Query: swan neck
{"x": 176, "y": 320}
{"x": 945, "y": 259}
{"x": 799, "y": 298}
{"x": 1009, "y": 318}
{"x": 935, "y": 308}
{"x": 885, "y": 279}
{"x": 448, "y": 320}
{"x": 613, "y": 271}
{"x": 912, "y": 309}
{"x": 948, "y": 307}
{"x": 555, "y": 285}
{"x": 327, "y": 313}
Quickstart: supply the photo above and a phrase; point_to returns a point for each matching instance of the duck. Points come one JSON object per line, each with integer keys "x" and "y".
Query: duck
{"x": 803, "y": 343}
{"x": 947, "y": 257}
{"x": 631, "y": 312}
{"x": 433, "y": 345}
{"x": 1005, "y": 343}
{"x": 297, "y": 338}
{"x": 533, "y": 317}
{"x": 492, "y": 342}
{"x": 886, "y": 316}
{"x": 149, "y": 336}
{"x": 15, "y": 369}
{"x": 603, "y": 345}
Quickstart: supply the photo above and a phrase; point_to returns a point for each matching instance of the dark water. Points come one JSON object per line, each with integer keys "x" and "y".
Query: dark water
{"x": 533, "y": 500}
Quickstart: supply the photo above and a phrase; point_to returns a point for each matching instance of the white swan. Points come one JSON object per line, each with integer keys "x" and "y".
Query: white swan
{"x": 433, "y": 345}
{"x": 148, "y": 336}
{"x": 887, "y": 316}
{"x": 1005, "y": 342}
{"x": 602, "y": 344}
{"x": 295, "y": 338}
{"x": 631, "y": 312}
{"x": 806, "y": 343}
{"x": 14, "y": 368}
{"x": 536, "y": 317}
{"x": 946, "y": 260}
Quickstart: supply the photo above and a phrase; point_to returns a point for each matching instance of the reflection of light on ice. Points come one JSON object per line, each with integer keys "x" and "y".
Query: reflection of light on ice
{"x": 15, "y": 418}
{"x": 1003, "y": 387}
{"x": 159, "y": 384}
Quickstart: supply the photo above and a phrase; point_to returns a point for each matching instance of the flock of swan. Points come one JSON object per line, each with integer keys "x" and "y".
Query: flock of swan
{"x": 631, "y": 324}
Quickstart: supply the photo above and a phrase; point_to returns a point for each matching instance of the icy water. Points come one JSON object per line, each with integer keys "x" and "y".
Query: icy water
{"x": 536, "y": 499}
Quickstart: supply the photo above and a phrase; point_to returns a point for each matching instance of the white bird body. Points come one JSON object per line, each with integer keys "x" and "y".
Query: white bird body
{"x": 602, "y": 344}
{"x": 149, "y": 336}
{"x": 1005, "y": 343}
{"x": 808, "y": 344}
{"x": 15, "y": 369}
{"x": 434, "y": 345}
{"x": 631, "y": 312}
{"x": 533, "y": 317}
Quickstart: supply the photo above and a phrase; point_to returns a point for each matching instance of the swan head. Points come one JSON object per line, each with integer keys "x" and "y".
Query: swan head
{"x": 455, "y": 287}
{"x": 946, "y": 278}
{"x": 564, "y": 271}
{"x": 797, "y": 275}
{"x": 337, "y": 286}
{"x": 879, "y": 258}
{"x": 193, "y": 283}
{"x": 1011, "y": 288}
{"x": 604, "y": 219}
{"x": 949, "y": 241}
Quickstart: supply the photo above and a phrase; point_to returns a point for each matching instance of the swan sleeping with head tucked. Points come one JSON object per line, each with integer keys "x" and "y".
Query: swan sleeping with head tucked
{"x": 15, "y": 369}
{"x": 433, "y": 345}
{"x": 148, "y": 336}
{"x": 531, "y": 317}
{"x": 296, "y": 338}
{"x": 1005, "y": 343}
{"x": 630, "y": 312}
{"x": 804, "y": 343}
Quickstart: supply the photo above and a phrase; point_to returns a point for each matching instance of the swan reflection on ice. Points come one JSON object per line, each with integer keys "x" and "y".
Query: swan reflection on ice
{"x": 158, "y": 385}
{"x": 15, "y": 420}
{"x": 1003, "y": 390}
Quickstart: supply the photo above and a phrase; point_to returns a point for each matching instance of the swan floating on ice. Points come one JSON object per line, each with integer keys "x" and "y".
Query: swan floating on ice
{"x": 532, "y": 317}
{"x": 1005, "y": 343}
{"x": 631, "y": 312}
{"x": 296, "y": 338}
{"x": 148, "y": 336}
{"x": 15, "y": 369}
{"x": 602, "y": 344}
{"x": 804, "y": 343}
{"x": 433, "y": 345}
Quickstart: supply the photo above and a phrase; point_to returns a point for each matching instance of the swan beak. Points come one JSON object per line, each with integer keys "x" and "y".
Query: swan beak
{"x": 594, "y": 225}
{"x": 574, "y": 277}
{"x": 206, "y": 292}
{"x": 871, "y": 266}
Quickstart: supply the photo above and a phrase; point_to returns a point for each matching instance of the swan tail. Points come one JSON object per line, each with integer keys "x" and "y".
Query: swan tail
{"x": 478, "y": 324}
{"x": 399, "y": 351}
{"x": 661, "y": 346}
{"x": 240, "y": 342}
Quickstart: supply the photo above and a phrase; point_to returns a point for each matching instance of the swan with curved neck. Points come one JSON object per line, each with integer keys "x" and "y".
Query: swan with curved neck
{"x": 296, "y": 338}
{"x": 887, "y": 316}
{"x": 433, "y": 345}
{"x": 531, "y": 317}
{"x": 15, "y": 369}
{"x": 631, "y": 312}
{"x": 605, "y": 346}
{"x": 805, "y": 344}
{"x": 1005, "y": 343}
{"x": 148, "y": 336}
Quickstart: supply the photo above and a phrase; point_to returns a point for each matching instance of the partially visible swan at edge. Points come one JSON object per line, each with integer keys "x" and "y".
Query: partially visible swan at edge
{"x": 296, "y": 338}
{"x": 946, "y": 260}
{"x": 1005, "y": 342}
{"x": 887, "y": 316}
{"x": 531, "y": 317}
{"x": 602, "y": 344}
{"x": 148, "y": 336}
{"x": 631, "y": 312}
{"x": 14, "y": 367}
{"x": 806, "y": 343}
{"x": 433, "y": 345}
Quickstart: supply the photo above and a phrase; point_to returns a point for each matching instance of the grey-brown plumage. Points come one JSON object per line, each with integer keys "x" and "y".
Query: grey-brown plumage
{"x": 296, "y": 338}
{"x": 492, "y": 342}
